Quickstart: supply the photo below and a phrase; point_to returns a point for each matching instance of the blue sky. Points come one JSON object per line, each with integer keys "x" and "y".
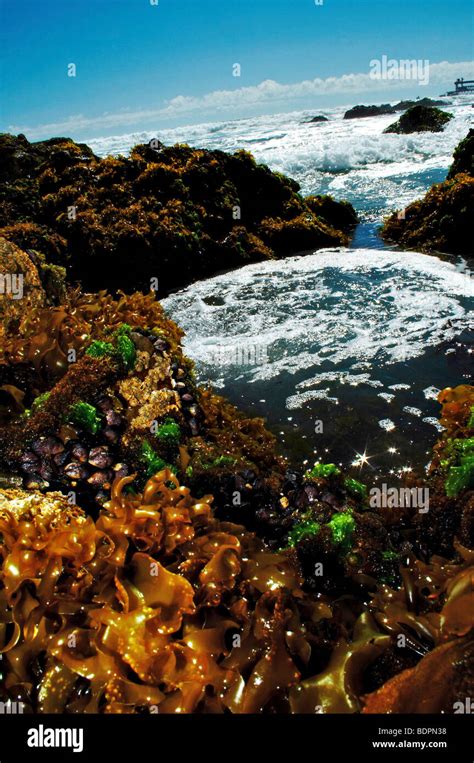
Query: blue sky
{"x": 142, "y": 66}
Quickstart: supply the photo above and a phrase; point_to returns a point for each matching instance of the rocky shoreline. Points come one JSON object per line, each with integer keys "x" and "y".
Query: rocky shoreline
{"x": 441, "y": 222}
{"x": 149, "y": 523}
{"x": 181, "y": 214}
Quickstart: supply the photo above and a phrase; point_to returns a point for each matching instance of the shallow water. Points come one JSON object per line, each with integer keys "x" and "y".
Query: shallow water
{"x": 358, "y": 339}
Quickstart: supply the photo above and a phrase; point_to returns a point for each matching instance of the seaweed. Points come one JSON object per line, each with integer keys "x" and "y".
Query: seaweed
{"x": 84, "y": 415}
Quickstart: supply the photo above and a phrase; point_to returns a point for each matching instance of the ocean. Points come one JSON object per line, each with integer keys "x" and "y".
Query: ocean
{"x": 342, "y": 351}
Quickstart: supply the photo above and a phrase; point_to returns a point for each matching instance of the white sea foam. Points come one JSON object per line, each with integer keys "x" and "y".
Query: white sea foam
{"x": 390, "y": 306}
{"x": 434, "y": 423}
{"x": 387, "y": 424}
{"x": 351, "y": 159}
{"x": 412, "y": 410}
{"x": 431, "y": 393}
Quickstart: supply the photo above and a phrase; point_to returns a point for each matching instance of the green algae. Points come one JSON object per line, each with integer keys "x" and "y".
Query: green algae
{"x": 322, "y": 471}
{"x": 460, "y": 477}
{"x": 459, "y": 463}
{"x": 100, "y": 349}
{"x": 389, "y": 556}
{"x": 152, "y": 461}
{"x": 302, "y": 531}
{"x": 470, "y": 423}
{"x": 126, "y": 351}
{"x": 39, "y": 401}
{"x": 342, "y": 527}
{"x": 169, "y": 433}
{"x": 355, "y": 488}
{"x": 221, "y": 461}
{"x": 86, "y": 416}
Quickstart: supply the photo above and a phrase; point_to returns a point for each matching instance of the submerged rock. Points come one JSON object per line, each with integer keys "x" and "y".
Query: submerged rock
{"x": 420, "y": 119}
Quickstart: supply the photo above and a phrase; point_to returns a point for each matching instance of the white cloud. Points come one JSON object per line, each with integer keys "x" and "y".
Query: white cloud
{"x": 241, "y": 99}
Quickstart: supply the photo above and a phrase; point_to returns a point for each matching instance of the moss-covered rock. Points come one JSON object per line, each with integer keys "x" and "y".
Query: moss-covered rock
{"x": 463, "y": 157}
{"x": 420, "y": 119}
{"x": 165, "y": 216}
{"x": 442, "y": 220}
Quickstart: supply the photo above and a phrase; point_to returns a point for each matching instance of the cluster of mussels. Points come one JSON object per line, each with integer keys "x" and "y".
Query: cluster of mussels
{"x": 255, "y": 588}
{"x": 87, "y": 446}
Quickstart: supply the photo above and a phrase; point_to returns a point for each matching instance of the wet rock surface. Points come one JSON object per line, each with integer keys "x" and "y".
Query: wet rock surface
{"x": 420, "y": 119}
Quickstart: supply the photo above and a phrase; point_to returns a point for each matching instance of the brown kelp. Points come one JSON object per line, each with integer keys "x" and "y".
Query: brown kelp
{"x": 97, "y": 387}
{"x": 157, "y": 606}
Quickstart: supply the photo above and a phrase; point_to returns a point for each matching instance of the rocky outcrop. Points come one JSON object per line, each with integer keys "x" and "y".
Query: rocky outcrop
{"x": 404, "y": 105}
{"x": 442, "y": 220}
{"x": 369, "y": 111}
{"x": 463, "y": 157}
{"x": 316, "y": 119}
{"x": 165, "y": 215}
{"x": 420, "y": 119}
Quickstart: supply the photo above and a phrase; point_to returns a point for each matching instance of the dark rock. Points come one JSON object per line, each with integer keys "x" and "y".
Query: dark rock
{"x": 442, "y": 220}
{"x": 100, "y": 478}
{"x": 111, "y": 435}
{"x": 79, "y": 452}
{"x": 48, "y": 446}
{"x": 100, "y": 457}
{"x": 142, "y": 343}
{"x": 164, "y": 212}
{"x": 113, "y": 418}
{"x": 404, "y": 105}
{"x": 316, "y": 119}
{"x": 76, "y": 471}
{"x": 463, "y": 157}
{"x": 420, "y": 119}
{"x": 369, "y": 111}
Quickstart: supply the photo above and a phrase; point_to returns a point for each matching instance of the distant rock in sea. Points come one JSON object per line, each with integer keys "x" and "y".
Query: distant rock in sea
{"x": 369, "y": 111}
{"x": 316, "y": 119}
{"x": 404, "y": 105}
{"x": 420, "y": 119}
